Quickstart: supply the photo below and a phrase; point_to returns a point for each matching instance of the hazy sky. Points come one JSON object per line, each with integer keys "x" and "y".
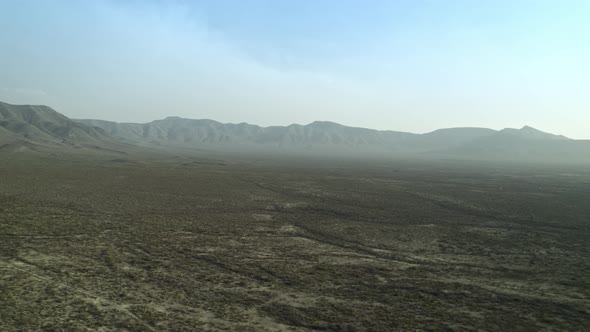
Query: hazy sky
{"x": 403, "y": 65}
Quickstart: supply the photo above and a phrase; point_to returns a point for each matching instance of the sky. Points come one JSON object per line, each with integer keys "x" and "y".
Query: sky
{"x": 406, "y": 65}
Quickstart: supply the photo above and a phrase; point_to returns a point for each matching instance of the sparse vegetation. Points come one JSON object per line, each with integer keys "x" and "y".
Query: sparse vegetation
{"x": 184, "y": 244}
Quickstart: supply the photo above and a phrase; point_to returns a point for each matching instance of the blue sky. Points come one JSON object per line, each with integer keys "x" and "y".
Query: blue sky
{"x": 401, "y": 65}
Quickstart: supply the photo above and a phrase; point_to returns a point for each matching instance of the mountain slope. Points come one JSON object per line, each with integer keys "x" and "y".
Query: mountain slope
{"x": 443, "y": 139}
{"x": 525, "y": 144}
{"x": 34, "y": 128}
{"x": 528, "y": 133}
{"x": 44, "y": 125}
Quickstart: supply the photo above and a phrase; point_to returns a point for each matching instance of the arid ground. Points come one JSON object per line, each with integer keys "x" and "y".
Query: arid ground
{"x": 180, "y": 243}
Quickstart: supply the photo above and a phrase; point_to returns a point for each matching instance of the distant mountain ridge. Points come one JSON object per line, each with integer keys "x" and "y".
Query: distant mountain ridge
{"x": 26, "y": 125}
{"x": 175, "y": 130}
{"x": 182, "y": 131}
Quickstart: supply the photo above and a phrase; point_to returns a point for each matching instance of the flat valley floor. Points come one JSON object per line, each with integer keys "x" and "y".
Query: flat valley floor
{"x": 180, "y": 243}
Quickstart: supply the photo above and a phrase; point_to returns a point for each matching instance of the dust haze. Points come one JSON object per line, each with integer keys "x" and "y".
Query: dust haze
{"x": 183, "y": 225}
{"x": 428, "y": 173}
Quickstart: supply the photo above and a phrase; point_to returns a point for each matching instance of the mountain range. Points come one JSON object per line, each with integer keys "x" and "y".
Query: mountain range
{"x": 40, "y": 128}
